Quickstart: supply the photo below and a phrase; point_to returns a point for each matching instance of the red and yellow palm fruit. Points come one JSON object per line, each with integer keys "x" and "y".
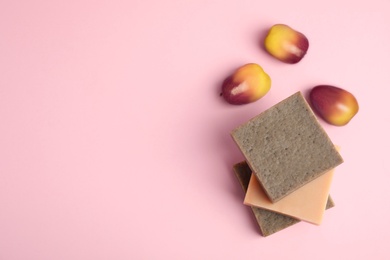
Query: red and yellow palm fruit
{"x": 286, "y": 44}
{"x": 335, "y": 105}
{"x": 247, "y": 84}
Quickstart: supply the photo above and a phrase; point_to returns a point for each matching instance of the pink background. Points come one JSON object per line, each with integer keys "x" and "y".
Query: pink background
{"x": 114, "y": 142}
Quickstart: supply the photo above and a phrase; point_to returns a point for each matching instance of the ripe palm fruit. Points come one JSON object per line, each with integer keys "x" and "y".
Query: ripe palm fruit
{"x": 335, "y": 105}
{"x": 286, "y": 44}
{"x": 247, "y": 84}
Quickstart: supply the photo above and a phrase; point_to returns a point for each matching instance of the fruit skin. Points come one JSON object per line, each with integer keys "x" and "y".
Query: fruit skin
{"x": 335, "y": 105}
{"x": 286, "y": 44}
{"x": 246, "y": 85}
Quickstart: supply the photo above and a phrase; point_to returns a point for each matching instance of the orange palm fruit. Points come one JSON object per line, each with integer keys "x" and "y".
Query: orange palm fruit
{"x": 335, "y": 105}
{"x": 247, "y": 84}
{"x": 286, "y": 44}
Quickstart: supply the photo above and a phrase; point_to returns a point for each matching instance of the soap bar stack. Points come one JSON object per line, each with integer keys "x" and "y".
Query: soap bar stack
{"x": 289, "y": 165}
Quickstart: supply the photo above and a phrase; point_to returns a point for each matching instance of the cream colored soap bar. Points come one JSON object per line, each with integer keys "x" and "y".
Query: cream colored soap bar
{"x": 308, "y": 203}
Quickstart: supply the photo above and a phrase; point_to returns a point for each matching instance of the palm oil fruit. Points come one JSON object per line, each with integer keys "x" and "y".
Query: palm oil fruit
{"x": 246, "y": 85}
{"x": 335, "y": 105}
{"x": 286, "y": 44}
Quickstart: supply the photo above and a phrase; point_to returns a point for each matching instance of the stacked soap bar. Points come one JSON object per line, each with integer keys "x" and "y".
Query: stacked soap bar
{"x": 291, "y": 160}
{"x": 269, "y": 222}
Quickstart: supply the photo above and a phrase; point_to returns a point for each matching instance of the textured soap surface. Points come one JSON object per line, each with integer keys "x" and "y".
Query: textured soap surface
{"x": 269, "y": 222}
{"x": 286, "y": 147}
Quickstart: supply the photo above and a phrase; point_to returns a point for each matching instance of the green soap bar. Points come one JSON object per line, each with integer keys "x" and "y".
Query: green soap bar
{"x": 286, "y": 147}
{"x": 268, "y": 221}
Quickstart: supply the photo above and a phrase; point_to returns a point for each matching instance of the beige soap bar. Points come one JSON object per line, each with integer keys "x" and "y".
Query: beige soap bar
{"x": 308, "y": 203}
{"x": 268, "y": 221}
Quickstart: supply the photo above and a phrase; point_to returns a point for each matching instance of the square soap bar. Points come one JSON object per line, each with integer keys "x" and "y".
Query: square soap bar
{"x": 307, "y": 203}
{"x": 286, "y": 147}
{"x": 269, "y": 222}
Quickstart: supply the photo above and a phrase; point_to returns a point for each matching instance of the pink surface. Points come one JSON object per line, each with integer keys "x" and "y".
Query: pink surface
{"x": 114, "y": 142}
